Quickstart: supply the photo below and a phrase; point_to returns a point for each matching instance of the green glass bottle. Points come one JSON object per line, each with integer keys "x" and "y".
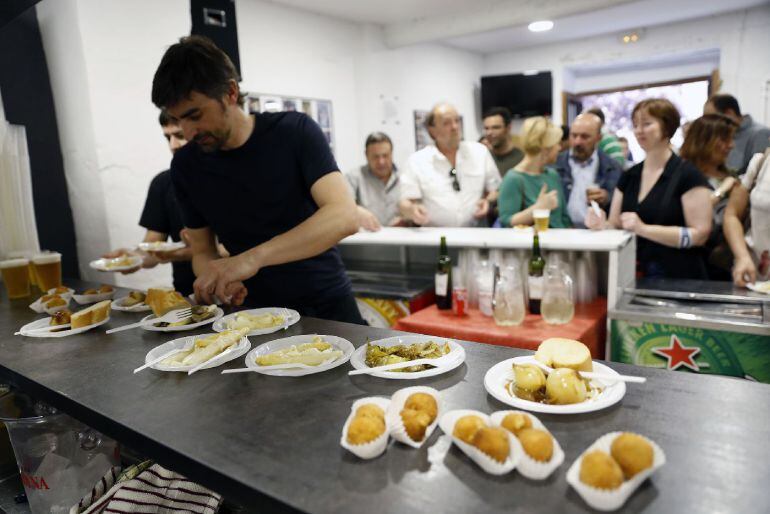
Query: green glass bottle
{"x": 535, "y": 279}
{"x": 444, "y": 278}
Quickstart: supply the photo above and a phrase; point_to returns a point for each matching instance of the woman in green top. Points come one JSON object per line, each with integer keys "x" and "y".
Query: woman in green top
{"x": 530, "y": 185}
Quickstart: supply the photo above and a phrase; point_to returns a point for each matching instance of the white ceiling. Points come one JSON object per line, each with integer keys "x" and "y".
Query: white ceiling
{"x": 487, "y": 26}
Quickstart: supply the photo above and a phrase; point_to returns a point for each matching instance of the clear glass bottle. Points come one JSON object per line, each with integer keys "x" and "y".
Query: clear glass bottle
{"x": 557, "y": 306}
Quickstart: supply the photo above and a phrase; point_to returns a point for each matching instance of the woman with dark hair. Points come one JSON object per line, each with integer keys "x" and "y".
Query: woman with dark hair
{"x": 664, "y": 200}
{"x": 707, "y": 144}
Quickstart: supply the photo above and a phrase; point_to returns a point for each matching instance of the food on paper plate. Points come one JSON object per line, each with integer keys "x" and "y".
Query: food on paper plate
{"x": 494, "y": 442}
{"x": 255, "y": 321}
{"x": 632, "y": 453}
{"x": 60, "y": 290}
{"x": 134, "y": 298}
{"x": 381, "y": 355}
{"x": 515, "y": 422}
{"x": 91, "y": 315}
{"x": 564, "y": 386}
{"x": 537, "y": 443}
{"x": 420, "y": 410}
{"x": 529, "y": 377}
{"x": 466, "y": 427}
{"x": 56, "y": 301}
{"x": 367, "y": 425}
{"x": 206, "y": 348}
{"x": 119, "y": 262}
{"x": 311, "y": 354}
{"x": 60, "y": 318}
{"x": 598, "y": 469}
{"x": 558, "y": 352}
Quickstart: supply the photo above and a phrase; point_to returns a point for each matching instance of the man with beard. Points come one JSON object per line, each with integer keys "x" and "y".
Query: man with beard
{"x": 586, "y": 172}
{"x": 266, "y": 184}
{"x": 497, "y": 132}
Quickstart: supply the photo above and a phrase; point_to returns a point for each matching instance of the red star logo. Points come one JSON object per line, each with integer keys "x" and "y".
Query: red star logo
{"x": 678, "y": 355}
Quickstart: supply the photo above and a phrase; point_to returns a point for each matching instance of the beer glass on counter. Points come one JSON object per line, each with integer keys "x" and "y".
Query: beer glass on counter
{"x": 557, "y": 306}
{"x": 47, "y": 270}
{"x": 16, "y": 277}
{"x": 541, "y": 217}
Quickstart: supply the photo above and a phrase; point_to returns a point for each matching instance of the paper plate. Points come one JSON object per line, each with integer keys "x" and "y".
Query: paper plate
{"x": 41, "y": 323}
{"x": 161, "y": 246}
{"x": 358, "y": 359}
{"x": 242, "y": 347}
{"x": 109, "y": 264}
{"x": 181, "y": 328}
{"x": 501, "y": 374}
{"x": 292, "y": 315}
{"x": 279, "y": 344}
{"x": 117, "y": 305}
{"x": 760, "y": 287}
{"x": 85, "y": 299}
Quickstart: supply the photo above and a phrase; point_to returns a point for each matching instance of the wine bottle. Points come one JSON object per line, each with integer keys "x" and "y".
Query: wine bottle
{"x": 535, "y": 278}
{"x": 444, "y": 278}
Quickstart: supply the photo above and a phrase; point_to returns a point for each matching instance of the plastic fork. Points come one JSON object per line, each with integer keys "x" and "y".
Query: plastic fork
{"x": 170, "y": 317}
{"x": 289, "y": 365}
{"x": 597, "y": 376}
{"x": 200, "y": 366}
{"x": 437, "y": 362}
{"x": 163, "y": 357}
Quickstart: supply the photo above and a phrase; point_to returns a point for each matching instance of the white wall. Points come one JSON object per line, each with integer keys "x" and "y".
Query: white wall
{"x": 742, "y": 38}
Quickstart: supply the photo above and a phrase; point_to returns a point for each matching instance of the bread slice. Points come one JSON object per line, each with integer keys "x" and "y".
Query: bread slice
{"x": 93, "y": 314}
{"x": 162, "y": 301}
{"x": 558, "y": 352}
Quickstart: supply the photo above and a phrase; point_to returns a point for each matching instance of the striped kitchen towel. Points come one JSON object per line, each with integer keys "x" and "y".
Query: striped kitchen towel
{"x": 153, "y": 490}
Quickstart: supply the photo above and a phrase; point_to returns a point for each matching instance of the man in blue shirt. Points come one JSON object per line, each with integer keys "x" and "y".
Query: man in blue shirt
{"x": 586, "y": 172}
{"x": 267, "y": 185}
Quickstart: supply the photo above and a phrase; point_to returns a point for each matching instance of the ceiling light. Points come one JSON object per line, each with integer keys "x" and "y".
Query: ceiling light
{"x": 633, "y": 37}
{"x": 531, "y": 72}
{"x": 540, "y": 26}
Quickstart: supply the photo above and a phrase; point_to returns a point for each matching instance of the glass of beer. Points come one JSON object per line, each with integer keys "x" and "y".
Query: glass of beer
{"x": 47, "y": 270}
{"x": 541, "y": 219}
{"x": 16, "y": 277}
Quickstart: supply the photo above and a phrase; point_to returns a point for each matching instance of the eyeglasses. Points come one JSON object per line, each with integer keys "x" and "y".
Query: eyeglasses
{"x": 455, "y": 182}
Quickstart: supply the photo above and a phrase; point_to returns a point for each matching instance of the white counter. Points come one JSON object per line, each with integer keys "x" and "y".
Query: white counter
{"x": 509, "y": 239}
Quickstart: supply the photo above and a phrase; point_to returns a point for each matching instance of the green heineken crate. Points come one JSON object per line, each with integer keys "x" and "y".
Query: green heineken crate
{"x": 692, "y": 349}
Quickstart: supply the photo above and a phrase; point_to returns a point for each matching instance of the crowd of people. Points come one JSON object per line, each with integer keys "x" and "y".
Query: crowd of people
{"x": 699, "y": 211}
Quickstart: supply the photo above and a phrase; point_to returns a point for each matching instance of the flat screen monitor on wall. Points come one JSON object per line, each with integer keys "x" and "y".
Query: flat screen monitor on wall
{"x": 525, "y": 95}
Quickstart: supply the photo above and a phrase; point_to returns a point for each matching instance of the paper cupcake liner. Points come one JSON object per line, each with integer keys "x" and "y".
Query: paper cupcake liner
{"x": 529, "y": 467}
{"x": 371, "y": 449}
{"x": 394, "y": 420}
{"x": 84, "y": 299}
{"x": 603, "y": 499}
{"x": 483, "y": 460}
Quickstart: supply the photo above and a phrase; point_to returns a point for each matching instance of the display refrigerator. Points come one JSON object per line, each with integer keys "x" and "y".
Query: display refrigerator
{"x": 693, "y": 326}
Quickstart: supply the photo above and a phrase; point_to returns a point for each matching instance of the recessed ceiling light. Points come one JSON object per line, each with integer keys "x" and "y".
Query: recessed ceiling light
{"x": 540, "y": 26}
{"x": 531, "y": 72}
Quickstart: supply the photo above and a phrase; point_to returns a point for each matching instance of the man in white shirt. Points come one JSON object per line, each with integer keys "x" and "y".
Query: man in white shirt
{"x": 449, "y": 184}
{"x": 587, "y": 173}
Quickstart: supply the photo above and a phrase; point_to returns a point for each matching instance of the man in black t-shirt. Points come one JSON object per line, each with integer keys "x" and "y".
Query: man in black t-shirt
{"x": 266, "y": 184}
{"x": 161, "y": 218}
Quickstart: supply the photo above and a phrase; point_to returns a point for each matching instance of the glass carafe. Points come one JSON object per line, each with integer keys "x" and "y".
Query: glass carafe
{"x": 508, "y": 301}
{"x": 557, "y": 307}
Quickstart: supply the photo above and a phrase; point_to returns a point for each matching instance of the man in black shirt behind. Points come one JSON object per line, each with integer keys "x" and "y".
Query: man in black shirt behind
{"x": 266, "y": 184}
{"x": 161, "y": 218}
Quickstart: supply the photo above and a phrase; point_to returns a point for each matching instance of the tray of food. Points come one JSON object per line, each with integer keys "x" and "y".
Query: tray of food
{"x": 133, "y": 302}
{"x": 259, "y": 321}
{"x": 80, "y": 321}
{"x": 316, "y": 353}
{"x": 122, "y": 263}
{"x": 404, "y": 349}
{"x": 188, "y": 352}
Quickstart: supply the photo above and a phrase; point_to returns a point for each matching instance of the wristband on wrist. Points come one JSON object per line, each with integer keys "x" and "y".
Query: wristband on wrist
{"x": 685, "y": 237}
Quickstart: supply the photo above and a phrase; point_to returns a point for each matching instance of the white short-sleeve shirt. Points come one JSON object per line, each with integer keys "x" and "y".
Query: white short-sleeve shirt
{"x": 426, "y": 177}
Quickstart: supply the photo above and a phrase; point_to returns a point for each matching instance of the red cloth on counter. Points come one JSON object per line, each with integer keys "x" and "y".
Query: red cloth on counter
{"x": 589, "y": 326}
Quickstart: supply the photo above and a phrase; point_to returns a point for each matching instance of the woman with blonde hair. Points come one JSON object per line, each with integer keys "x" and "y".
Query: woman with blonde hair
{"x": 531, "y": 185}
{"x": 664, "y": 200}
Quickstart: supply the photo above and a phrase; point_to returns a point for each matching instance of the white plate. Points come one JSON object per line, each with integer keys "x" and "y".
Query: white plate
{"x": 84, "y": 299}
{"x": 760, "y": 287}
{"x": 279, "y": 344}
{"x": 41, "y": 323}
{"x": 66, "y": 295}
{"x": 358, "y": 360}
{"x": 161, "y": 246}
{"x": 293, "y": 317}
{"x": 241, "y": 348}
{"x": 117, "y": 305}
{"x": 101, "y": 264}
{"x": 501, "y": 373}
{"x": 217, "y": 314}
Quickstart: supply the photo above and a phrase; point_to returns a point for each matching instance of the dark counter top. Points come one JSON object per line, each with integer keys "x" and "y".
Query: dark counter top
{"x": 273, "y": 442}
